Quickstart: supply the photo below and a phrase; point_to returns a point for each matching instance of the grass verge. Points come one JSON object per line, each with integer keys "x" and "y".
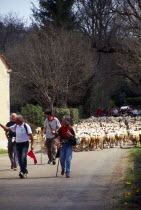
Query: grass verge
{"x": 131, "y": 198}
{"x": 3, "y": 151}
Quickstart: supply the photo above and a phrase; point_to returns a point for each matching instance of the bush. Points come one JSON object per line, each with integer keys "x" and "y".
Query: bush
{"x": 74, "y": 114}
{"x": 33, "y": 114}
{"x": 60, "y": 112}
{"x": 3, "y": 151}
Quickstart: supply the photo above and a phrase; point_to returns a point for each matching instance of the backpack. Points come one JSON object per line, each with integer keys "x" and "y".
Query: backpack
{"x": 25, "y": 126}
{"x": 73, "y": 141}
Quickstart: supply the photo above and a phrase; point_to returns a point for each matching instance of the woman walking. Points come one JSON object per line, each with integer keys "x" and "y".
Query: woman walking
{"x": 66, "y": 150}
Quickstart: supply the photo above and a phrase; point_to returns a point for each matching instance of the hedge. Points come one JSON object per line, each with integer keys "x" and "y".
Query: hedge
{"x": 60, "y": 112}
{"x": 72, "y": 112}
{"x": 33, "y": 114}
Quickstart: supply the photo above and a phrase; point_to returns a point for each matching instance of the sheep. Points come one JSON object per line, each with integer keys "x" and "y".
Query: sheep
{"x": 95, "y": 133}
{"x": 134, "y": 136}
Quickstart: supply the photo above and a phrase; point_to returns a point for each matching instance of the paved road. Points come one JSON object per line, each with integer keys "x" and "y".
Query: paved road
{"x": 88, "y": 188}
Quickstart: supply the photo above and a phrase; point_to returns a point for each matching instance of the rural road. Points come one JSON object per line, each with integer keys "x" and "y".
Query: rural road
{"x": 93, "y": 176}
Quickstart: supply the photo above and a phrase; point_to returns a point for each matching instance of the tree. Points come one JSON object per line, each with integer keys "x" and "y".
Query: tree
{"x": 11, "y": 31}
{"x": 52, "y": 66}
{"x": 57, "y": 12}
{"x": 130, "y": 14}
{"x": 97, "y": 20}
{"x": 127, "y": 59}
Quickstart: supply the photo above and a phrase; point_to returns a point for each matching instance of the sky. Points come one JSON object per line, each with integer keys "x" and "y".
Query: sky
{"x": 22, "y": 8}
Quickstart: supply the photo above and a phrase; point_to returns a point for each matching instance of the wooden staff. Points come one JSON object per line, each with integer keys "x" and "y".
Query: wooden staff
{"x": 41, "y": 149}
{"x": 57, "y": 167}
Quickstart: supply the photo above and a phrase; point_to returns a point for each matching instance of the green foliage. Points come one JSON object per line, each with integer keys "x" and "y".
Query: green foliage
{"x": 135, "y": 101}
{"x": 59, "y": 12}
{"x": 34, "y": 114}
{"x": 60, "y": 112}
{"x": 3, "y": 151}
{"x": 135, "y": 154}
{"x": 98, "y": 96}
{"x": 74, "y": 114}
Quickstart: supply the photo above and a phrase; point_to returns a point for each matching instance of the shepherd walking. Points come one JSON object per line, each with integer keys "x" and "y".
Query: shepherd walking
{"x": 51, "y": 125}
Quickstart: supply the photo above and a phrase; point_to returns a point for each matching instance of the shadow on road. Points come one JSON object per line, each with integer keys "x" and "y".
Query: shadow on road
{"x": 125, "y": 148}
{"x": 38, "y": 164}
{"x": 5, "y": 170}
{"x": 28, "y": 178}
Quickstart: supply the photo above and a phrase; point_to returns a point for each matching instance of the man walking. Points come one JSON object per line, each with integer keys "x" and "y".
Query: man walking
{"x": 51, "y": 125}
{"x": 23, "y": 132}
{"x": 11, "y": 137}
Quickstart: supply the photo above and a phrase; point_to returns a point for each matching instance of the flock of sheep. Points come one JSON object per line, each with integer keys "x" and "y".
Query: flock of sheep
{"x": 98, "y": 133}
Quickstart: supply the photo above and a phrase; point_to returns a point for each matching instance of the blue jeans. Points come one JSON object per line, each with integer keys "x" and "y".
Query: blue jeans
{"x": 65, "y": 157}
{"x": 22, "y": 149}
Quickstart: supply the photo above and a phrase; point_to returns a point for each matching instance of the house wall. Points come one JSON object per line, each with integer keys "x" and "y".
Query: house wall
{"x": 4, "y": 98}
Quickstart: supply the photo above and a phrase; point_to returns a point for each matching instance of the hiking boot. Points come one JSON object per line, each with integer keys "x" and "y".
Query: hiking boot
{"x": 21, "y": 175}
{"x": 63, "y": 172}
{"x": 54, "y": 162}
{"x": 67, "y": 176}
{"x": 25, "y": 175}
{"x": 49, "y": 162}
{"x": 12, "y": 166}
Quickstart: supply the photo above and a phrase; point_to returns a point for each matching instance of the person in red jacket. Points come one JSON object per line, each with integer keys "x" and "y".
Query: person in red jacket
{"x": 66, "y": 150}
{"x": 99, "y": 112}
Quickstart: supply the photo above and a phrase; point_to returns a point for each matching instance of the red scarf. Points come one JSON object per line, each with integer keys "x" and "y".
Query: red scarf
{"x": 64, "y": 131}
{"x": 51, "y": 119}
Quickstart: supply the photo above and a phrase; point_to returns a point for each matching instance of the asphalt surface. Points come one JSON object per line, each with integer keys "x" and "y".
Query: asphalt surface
{"x": 92, "y": 175}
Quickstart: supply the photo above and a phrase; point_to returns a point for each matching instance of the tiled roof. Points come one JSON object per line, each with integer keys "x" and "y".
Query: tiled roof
{"x": 4, "y": 59}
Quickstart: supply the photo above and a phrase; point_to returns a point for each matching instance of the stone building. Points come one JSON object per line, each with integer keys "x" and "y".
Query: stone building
{"x": 4, "y": 97}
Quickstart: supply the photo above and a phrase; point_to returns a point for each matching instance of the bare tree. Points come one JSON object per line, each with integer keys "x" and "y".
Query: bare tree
{"x": 52, "y": 65}
{"x": 11, "y": 31}
{"x": 127, "y": 57}
{"x": 97, "y": 19}
{"x": 130, "y": 14}
{"x": 115, "y": 29}
{"x": 128, "y": 61}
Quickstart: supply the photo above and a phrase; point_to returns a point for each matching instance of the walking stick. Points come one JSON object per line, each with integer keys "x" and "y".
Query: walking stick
{"x": 57, "y": 167}
{"x": 41, "y": 150}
